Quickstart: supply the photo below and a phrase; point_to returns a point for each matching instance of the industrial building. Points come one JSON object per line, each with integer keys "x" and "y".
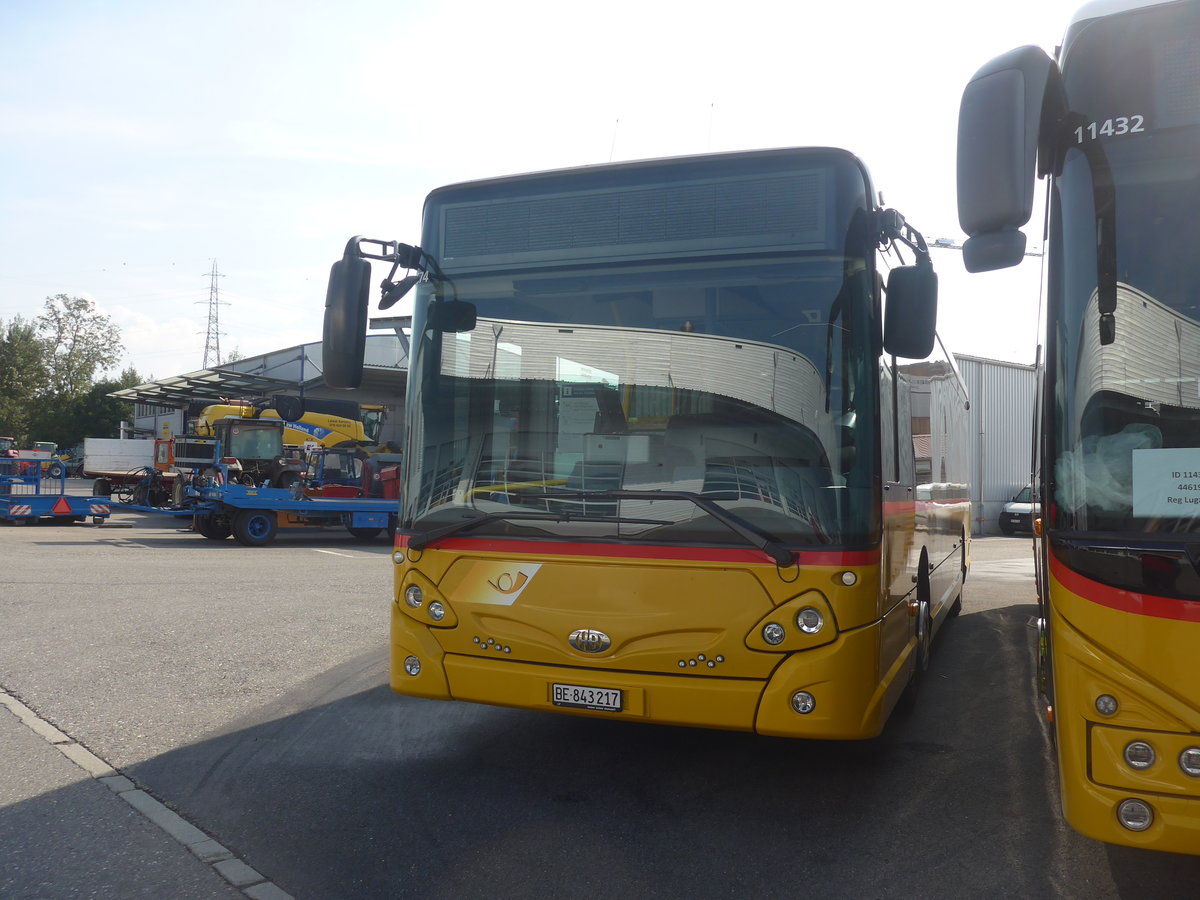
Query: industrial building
{"x": 1002, "y": 408}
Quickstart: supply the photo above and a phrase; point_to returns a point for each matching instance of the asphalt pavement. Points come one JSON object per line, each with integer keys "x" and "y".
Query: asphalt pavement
{"x": 221, "y": 737}
{"x": 72, "y": 826}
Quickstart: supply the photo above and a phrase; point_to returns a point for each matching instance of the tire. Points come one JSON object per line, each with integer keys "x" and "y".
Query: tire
{"x": 55, "y": 470}
{"x": 364, "y": 534}
{"x": 255, "y": 527}
{"x": 102, "y": 488}
{"x": 956, "y": 607}
{"x": 215, "y": 528}
{"x": 924, "y": 636}
{"x": 286, "y": 479}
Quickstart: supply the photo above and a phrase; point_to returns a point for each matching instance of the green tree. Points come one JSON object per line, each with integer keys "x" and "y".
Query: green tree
{"x": 68, "y": 420}
{"x": 79, "y": 341}
{"x": 23, "y": 375}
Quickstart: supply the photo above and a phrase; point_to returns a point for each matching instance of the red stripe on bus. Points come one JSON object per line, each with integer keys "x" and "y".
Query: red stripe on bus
{"x": 1122, "y": 600}
{"x": 612, "y": 551}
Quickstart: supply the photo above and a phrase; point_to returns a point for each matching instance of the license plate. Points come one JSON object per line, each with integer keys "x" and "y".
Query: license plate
{"x": 582, "y": 697}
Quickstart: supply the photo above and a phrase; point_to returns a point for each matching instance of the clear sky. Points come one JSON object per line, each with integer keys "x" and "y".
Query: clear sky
{"x": 139, "y": 141}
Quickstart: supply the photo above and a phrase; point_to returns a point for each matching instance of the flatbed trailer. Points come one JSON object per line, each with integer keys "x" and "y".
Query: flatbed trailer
{"x": 27, "y": 494}
{"x": 254, "y": 515}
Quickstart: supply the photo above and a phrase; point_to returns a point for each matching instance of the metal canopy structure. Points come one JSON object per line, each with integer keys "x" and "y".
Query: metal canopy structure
{"x": 204, "y": 384}
{"x": 293, "y": 370}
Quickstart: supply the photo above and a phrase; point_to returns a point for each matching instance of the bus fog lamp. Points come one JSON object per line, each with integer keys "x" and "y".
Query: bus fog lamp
{"x": 1189, "y": 761}
{"x": 849, "y": 579}
{"x": 773, "y": 633}
{"x": 414, "y": 596}
{"x": 1106, "y": 705}
{"x": 1139, "y": 755}
{"x": 437, "y": 612}
{"x": 810, "y": 620}
{"x": 803, "y": 702}
{"x": 1136, "y": 815}
{"x": 412, "y": 665}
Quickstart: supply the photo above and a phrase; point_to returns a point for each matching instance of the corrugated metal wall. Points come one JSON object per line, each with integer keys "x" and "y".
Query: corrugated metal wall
{"x": 1001, "y": 417}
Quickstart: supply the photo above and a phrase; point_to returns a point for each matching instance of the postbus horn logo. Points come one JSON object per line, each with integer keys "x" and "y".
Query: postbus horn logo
{"x": 589, "y": 640}
{"x": 506, "y": 584}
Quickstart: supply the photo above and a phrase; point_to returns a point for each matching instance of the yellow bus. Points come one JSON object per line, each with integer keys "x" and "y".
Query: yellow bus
{"x": 660, "y": 461}
{"x": 1114, "y": 122}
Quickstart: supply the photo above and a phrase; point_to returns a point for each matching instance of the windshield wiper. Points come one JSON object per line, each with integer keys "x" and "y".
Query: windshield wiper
{"x": 753, "y": 535}
{"x": 423, "y": 539}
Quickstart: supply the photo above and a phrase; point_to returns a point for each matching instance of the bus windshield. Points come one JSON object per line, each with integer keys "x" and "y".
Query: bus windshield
{"x": 655, "y": 366}
{"x": 1124, "y": 450}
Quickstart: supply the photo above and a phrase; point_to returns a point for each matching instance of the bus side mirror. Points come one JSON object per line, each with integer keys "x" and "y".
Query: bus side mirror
{"x": 451, "y": 315}
{"x": 999, "y": 124}
{"x": 910, "y": 317}
{"x": 344, "y": 339}
{"x": 289, "y": 407}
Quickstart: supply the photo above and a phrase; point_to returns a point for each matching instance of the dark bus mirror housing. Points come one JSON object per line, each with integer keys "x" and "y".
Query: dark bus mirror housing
{"x": 289, "y": 407}
{"x": 999, "y": 127}
{"x": 344, "y": 339}
{"x": 910, "y": 317}
{"x": 451, "y": 315}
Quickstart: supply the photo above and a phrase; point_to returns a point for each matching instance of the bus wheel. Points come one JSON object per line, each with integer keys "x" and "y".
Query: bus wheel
{"x": 924, "y": 635}
{"x": 956, "y": 607}
{"x": 364, "y": 534}
{"x": 215, "y": 528}
{"x": 255, "y": 527}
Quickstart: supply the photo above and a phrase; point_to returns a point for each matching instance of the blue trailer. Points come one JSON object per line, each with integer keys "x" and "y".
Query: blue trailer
{"x": 221, "y": 499}
{"x": 28, "y": 494}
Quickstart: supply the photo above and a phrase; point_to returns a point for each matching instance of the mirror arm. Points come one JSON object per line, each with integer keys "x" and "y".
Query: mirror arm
{"x": 894, "y": 227}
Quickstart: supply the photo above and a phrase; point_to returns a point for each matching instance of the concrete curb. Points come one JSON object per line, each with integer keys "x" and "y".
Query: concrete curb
{"x": 204, "y": 847}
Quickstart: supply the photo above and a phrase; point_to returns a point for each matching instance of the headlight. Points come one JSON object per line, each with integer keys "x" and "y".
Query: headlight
{"x": 803, "y": 702}
{"x": 809, "y": 620}
{"x": 1189, "y": 761}
{"x": 1136, "y": 815}
{"x": 437, "y": 612}
{"x": 773, "y": 633}
{"x": 1139, "y": 755}
{"x": 1106, "y": 704}
{"x": 412, "y": 665}
{"x": 414, "y": 596}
